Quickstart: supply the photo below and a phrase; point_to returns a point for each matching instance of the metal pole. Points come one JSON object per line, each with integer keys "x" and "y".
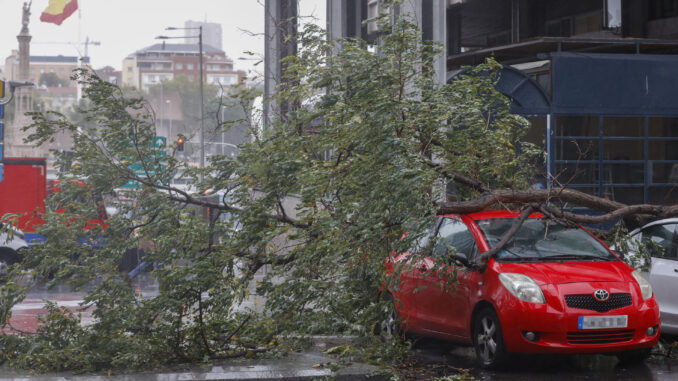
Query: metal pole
{"x": 202, "y": 107}
{"x": 169, "y": 112}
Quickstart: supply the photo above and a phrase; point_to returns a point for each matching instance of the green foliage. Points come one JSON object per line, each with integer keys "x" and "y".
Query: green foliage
{"x": 318, "y": 200}
{"x": 636, "y": 253}
{"x": 51, "y": 79}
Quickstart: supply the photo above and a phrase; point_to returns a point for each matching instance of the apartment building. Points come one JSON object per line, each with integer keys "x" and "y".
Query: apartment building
{"x": 158, "y": 62}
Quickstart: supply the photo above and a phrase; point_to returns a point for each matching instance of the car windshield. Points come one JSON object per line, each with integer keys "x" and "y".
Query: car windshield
{"x": 544, "y": 240}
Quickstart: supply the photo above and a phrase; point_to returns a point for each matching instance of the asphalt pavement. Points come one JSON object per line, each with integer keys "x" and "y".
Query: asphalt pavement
{"x": 433, "y": 358}
{"x": 435, "y": 354}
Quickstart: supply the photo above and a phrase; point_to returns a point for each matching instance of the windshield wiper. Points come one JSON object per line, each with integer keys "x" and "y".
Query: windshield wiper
{"x": 572, "y": 257}
{"x": 519, "y": 259}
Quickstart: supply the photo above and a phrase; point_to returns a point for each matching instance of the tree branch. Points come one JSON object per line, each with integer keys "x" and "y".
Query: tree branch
{"x": 482, "y": 259}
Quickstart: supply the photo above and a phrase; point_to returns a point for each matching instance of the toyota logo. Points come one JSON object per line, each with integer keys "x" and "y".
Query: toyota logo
{"x": 601, "y": 295}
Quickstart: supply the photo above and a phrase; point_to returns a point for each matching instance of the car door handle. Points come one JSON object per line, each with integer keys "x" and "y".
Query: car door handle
{"x": 675, "y": 270}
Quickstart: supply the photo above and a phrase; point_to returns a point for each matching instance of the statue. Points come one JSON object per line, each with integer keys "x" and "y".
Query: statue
{"x": 26, "y": 16}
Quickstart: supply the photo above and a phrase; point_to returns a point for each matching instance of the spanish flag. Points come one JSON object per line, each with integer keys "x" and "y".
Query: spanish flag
{"x": 58, "y": 10}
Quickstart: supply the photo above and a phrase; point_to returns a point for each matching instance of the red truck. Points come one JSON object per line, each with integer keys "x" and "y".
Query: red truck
{"x": 23, "y": 191}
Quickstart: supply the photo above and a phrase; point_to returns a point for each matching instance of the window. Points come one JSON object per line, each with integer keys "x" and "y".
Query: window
{"x": 587, "y": 23}
{"x": 180, "y": 66}
{"x": 603, "y": 154}
{"x": 664, "y": 238}
{"x": 659, "y": 9}
{"x": 559, "y": 28}
{"x": 537, "y": 238}
{"x": 454, "y": 237}
{"x": 189, "y": 66}
{"x": 372, "y": 12}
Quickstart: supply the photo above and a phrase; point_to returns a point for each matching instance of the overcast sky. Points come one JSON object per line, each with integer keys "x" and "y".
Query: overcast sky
{"x": 124, "y": 26}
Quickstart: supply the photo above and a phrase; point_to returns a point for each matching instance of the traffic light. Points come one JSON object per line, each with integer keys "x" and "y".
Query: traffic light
{"x": 180, "y": 143}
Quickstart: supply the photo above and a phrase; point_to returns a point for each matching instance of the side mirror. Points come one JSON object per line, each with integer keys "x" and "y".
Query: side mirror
{"x": 621, "y": 255}
{"x": 461, "y": 258}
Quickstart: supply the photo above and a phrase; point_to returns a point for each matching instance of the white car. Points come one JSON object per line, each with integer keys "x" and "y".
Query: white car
{"x": 11, "y": 245}
{"x": 663, "y": 273}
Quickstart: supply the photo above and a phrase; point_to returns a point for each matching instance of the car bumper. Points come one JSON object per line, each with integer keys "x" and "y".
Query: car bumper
{"x": 558, "y": 331}
{"x": 669, "y": 323}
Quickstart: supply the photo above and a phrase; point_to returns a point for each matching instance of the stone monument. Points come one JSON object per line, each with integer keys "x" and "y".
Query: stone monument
{"x": 23, "y": 96}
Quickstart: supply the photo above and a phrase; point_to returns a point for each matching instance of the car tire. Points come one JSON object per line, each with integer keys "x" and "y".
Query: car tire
{"x": 390, "y": 326}
{"x": 8, "y": 257}
{"x": 634, "y": 357}
{"x": 488, "y": 340}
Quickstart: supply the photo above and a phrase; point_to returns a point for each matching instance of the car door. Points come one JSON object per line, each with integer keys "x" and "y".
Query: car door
{"x": 664, "y": 271}
{"x": 410, "y": 267}
{"x": 442, "y": 299}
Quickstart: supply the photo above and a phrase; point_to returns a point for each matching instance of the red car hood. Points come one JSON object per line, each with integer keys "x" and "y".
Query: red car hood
{"x": 570, "y": 272}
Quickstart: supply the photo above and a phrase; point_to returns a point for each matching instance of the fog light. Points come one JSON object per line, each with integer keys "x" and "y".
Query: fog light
{"x": 531, "y": 336}
{"x": 652, "y": 330}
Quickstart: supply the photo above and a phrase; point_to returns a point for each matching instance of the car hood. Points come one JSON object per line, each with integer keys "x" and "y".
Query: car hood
{"x": 570, "y": 272}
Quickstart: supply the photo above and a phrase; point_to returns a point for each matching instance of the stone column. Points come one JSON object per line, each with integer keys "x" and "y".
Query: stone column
{"x": 23, "y": 97}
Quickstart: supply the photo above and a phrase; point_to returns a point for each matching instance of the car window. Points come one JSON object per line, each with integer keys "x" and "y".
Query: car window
{"x": 454, "y": 235}
{"x": 542, "y": 239}
{"x": 422, "y": 243}
{"x": 664, "y": 239}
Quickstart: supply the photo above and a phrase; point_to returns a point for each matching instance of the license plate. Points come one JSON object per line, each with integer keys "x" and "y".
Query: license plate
{"x": 603, "y": 322}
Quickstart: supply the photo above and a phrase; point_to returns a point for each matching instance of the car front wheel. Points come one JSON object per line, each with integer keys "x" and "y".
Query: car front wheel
{"x": 390, "y": 326}
{"x": 488, "y": 340}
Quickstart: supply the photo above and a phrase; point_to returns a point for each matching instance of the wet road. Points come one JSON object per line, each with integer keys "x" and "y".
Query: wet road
{"x": 547, "y": 368}
{"x": 25, "y": 314}
{"x": 440, "y": 358}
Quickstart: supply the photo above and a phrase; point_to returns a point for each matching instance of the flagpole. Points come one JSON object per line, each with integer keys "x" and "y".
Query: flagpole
{"x": 80, "y": 58}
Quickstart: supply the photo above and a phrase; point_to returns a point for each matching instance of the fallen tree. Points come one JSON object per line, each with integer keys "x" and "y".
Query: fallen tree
{"x": 367, "y": 159}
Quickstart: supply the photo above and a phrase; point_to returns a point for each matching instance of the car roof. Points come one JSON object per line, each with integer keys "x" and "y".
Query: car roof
{"x": 487, "y": 214}
{"x": 658, "y": 222}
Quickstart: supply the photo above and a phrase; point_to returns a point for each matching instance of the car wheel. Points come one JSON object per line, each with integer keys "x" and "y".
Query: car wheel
{"x": 9, "y": 257}
{"x": 635, "y": 356}
{"x": 390, "y": 326}
{"x": 488, "y": 340}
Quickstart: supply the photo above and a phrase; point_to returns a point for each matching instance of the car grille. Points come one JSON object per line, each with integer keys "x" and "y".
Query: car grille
{"x": 588, "y": 302}
{"x": 600, "y": 337}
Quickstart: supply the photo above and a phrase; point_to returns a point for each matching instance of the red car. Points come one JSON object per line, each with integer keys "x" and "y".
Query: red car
{"x": 551, "y": 289}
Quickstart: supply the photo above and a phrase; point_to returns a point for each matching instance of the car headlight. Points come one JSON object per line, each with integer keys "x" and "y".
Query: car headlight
{"x": 522, "y": 287}
{"x": 645, "y": 287}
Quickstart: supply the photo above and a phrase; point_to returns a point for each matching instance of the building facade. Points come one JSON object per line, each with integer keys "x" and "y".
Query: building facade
{"x": 109, "y": 74}
{"x": 61, "y": 66}
{"x": 158, "y": 62}
{"x": 595, "y": 78}
{"x": 211, "y": 33}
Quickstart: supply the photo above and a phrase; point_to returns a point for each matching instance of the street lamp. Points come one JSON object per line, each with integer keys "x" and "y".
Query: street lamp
{"x": 169, "y": 113}
{"x": 202, "y": 105}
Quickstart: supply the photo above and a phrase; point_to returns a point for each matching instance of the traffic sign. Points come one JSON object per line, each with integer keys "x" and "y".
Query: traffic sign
{"x": 2, "y": 151}
{"x": 159, "y": 142}
{"x": 2, "y": 111}
{"x": 2, "y": 131}
{"x": 154, "y": 162}
{"x": 2, "y": 89}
